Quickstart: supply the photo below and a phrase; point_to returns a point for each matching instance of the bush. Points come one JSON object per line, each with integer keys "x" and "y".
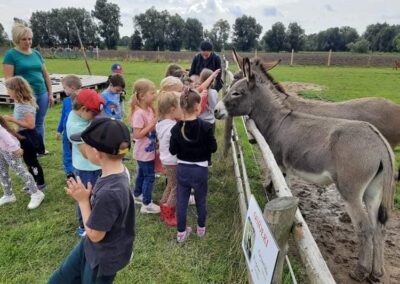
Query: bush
{"x": 360, "y": 46}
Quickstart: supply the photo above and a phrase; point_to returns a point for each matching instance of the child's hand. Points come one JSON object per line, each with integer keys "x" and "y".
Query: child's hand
{"x": 77, "y": 190}
{"x": 58, "y": 136}
{"x": 18, "y": 153}
{"x": 204, "y": 93}
{"x": 215, "y": 73}
{"x": 9, "y": 118}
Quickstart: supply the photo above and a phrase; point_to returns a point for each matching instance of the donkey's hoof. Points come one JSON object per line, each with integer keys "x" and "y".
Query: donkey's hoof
{"x": 375, "y": 278}
{"x": 360, "y": 274}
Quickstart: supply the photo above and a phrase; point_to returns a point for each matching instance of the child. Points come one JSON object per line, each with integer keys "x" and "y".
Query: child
{"x": 171, "y": 84}
{"x": 143, "y": 120}
{"x": 108, "y": 209}
{"x": 87, "y": 104}
{"x": 71, "y": 85}
{"x": 169, "y": 111}
{"x": 24, "y": 117}
{"x": 10, "y": 156}
{"x": 209, "y": 101}
{"x": 112, "y": 97}
{"x": 193, "y": 141}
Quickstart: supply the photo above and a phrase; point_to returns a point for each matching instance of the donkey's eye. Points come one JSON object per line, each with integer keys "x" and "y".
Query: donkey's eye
{"x": 236, "y": 94}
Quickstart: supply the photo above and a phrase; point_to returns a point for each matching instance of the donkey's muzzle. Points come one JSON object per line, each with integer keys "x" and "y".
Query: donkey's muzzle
{"x": 220, "y": 111}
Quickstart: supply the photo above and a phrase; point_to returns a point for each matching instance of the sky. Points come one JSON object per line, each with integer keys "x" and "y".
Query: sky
{"x": 312, "y": 15}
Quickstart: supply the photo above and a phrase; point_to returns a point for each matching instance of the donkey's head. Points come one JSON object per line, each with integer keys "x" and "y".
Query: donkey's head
{"x": 239, "y": 100}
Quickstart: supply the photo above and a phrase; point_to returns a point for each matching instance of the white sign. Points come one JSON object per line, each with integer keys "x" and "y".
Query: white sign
{"x": 259, "y": 246}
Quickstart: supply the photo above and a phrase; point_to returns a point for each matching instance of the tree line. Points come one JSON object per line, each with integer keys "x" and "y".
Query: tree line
{"x": 160, "y": 30}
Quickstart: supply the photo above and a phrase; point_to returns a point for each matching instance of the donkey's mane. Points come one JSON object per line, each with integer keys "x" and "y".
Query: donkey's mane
{"x": 276, "y": 84}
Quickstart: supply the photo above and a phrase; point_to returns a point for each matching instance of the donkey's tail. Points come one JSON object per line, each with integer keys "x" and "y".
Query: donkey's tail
{"x": 387, "y": 167}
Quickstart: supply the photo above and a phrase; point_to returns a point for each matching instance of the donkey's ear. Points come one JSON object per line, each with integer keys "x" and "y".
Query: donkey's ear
{"x": 247, "y": 72}
{"x": 238, "y": 59}
{"x": 270, "y": 65}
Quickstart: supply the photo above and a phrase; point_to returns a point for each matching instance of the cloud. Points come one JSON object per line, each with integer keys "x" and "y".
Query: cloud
{"x": 270, "y": 12}
{"x": 328, "y": 8}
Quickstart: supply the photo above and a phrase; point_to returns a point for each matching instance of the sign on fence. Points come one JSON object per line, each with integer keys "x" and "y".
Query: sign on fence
{"x": 259, "y": 246}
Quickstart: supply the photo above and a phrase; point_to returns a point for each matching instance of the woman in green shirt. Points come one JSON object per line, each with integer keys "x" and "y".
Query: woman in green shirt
{"x": 24, "y": 61}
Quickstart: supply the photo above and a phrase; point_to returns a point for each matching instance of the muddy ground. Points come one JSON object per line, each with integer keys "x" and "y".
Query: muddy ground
{"x": 324, "y": 212}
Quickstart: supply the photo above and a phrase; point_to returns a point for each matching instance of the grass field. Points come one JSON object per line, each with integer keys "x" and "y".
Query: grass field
{"x": 33, "y": 243}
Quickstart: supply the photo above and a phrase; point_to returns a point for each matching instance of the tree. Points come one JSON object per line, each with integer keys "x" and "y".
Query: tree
{"x": 274, "y": 39}
{"x": 219, "y": 34}
{"x": 136, "y": 41}
{"x": 396, "y": 43}
{"x": 110, "y": 20}
{"x": 360, "y": 46}
{"x": 175, "y": 32}
{"x": 245, "y": 33}
{"x": 311, "y": 42}
{"x": 152, "y": 25}
{"x": 59, "y": 27}
{"x": 124, "y": 41}
{"x": 348, "y": 35}
{"x": 3, "y": 36}
{"x": 193, "y": 34}
{"x": 295, "y": 37}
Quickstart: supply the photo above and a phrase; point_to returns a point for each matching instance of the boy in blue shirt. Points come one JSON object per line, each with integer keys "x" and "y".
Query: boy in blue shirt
{"x": 71, "y": 84}
{"x": 108, "y": 210}
{"x": 87, "y": 104}
{"x": 112, "y": 96}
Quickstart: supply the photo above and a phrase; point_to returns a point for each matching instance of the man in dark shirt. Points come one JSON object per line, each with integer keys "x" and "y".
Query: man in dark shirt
{"x": 207, "y": 59}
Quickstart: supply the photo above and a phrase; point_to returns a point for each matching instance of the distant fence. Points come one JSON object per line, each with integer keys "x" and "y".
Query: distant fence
{"x": 299, "y": 58}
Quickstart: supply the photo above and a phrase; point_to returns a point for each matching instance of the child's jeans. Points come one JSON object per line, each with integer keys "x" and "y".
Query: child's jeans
{"x": 144, "y": 180}
{"x": 75, "y": 269}
{"x": 67, "y": 154}
{"x": 86, "y": 177}
{"x": 188, "y": 177}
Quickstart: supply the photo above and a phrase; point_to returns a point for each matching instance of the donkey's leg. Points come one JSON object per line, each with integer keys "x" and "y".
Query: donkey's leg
{"x": 373, "y": 199}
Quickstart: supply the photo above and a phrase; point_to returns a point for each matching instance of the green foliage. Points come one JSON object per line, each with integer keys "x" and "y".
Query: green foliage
{"x": 193, "y": 34}
{"x": 295, "y": 37}
{"x": 381, "y": 36}
{"x": 124, "y": 41}
{"x": 136, "y": 41}
{"x": 3, "y": 36}
{"x": 274, "y": 39}
{"x": 175, "y": 32}
{"x": 110, "y": 20}
{"x": 360, "y": 46}
{"x": 57, "y": 27}
{"x": 219, "y": 34}
{"x": 246, "y": 32}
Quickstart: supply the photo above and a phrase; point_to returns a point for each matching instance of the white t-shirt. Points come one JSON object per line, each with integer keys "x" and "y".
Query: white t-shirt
{"x": 163, "y": 129}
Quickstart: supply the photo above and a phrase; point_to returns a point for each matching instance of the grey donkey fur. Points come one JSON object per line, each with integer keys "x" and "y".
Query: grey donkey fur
{"x": 323, "y": 150}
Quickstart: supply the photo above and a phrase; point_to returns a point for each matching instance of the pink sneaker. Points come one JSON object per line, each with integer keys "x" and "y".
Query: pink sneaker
{"x": 201, "y": 231}
{"x": 182, "y": 236}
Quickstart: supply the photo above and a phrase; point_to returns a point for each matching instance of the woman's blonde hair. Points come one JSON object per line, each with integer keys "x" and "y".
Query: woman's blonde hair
{"x": 140, "y": 87}
{"x": 171, "y": 84}
{"x": 18, "y": 31}
{"x": 166, "y": 101}
{"x": 22, "y": 89}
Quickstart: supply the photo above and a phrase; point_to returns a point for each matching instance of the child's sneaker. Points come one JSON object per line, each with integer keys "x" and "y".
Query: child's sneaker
{"x": 7, "y": 199}
{"x": 201, "y": 231}
{"x": 36, "y": 199}
{"x": 80, "y": 232}
{"x": 182, "y": 236}
{"x": 138, "y": 199}
{"x": 150, "y": 208}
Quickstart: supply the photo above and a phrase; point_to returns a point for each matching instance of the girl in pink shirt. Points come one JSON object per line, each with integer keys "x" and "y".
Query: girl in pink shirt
{"x": 143, "y": 119}
{"x": 10, "y": 156}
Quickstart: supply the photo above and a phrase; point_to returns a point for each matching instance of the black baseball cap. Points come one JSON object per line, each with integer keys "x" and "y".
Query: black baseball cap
{"x": 106, "y": 135}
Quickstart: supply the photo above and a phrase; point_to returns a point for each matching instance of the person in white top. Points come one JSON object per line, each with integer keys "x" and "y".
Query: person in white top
{"x": 10, "y": 156}
{"x": 169, "y": 112}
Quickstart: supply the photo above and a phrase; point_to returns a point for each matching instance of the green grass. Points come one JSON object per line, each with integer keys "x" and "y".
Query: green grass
{"x": 33, "y": 243}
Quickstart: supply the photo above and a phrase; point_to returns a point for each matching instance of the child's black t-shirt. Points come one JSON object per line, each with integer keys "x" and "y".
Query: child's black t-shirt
{"x": 113, "y": 211}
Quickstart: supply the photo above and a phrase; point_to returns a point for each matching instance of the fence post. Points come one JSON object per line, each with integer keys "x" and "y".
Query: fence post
{"x": 97, "y": 52}
{"x": 329, "y": 57}
{"x": 291, "y": 58}
{"x": 280, "y": 213}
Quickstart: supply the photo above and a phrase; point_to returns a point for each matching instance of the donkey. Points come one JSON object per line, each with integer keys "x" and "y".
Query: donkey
{"x": 323, "y": 150}
{"x": 396, "y": 64}
{"x": 380, "y": 112}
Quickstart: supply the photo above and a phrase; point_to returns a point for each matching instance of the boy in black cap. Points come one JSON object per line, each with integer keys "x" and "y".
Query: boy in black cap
{"x": 207, "y": 59}
{"x": 108, "y": 210}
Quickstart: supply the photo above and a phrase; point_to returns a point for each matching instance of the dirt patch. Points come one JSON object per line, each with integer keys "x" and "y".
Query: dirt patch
{"x": 298, "y": 87}
{"x": 324, "y": 212}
